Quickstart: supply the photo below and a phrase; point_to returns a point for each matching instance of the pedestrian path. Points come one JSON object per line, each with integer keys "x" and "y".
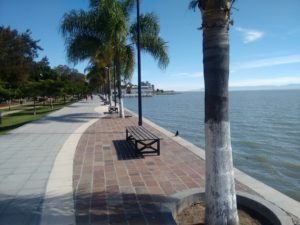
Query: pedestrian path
{"x": 113, "y": 186}
{"x": 27, "y": 155}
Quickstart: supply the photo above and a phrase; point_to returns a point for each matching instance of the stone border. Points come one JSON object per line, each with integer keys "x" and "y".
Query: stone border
{"x": 184, "y": 199}
{"x": 279, "y": 199}
{"x": 58, "y": 205}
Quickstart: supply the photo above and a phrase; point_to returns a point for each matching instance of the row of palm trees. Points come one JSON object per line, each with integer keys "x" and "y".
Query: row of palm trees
{"x": 105, "y": 36}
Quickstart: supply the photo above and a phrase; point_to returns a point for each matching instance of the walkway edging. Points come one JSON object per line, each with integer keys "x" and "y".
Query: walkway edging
{"x": 58, "y": 205}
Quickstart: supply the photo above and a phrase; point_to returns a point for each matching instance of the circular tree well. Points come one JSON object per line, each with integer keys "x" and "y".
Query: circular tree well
{"x": 190, "y": 207}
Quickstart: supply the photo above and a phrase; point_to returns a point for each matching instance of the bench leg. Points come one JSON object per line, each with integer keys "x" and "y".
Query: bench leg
{"x": 158, "y": 147}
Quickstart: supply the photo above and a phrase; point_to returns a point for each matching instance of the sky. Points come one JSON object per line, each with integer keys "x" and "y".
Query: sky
{"x": 264, "y": 40}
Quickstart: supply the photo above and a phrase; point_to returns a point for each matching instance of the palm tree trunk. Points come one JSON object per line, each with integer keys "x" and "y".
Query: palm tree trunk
{"x": 121, "y": 106}
{"x": 109, "y": 87}
{"x": 221, "y": 205}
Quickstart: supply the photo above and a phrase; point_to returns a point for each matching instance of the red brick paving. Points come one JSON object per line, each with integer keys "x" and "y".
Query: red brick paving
{"x": 112, "y": 186}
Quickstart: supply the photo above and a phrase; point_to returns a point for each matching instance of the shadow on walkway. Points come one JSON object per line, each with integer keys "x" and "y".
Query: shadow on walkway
{"x": 125, "y": 150}
{"x": 21, "y": 210}
{"x": 121, "y": 208}
{"x": 69, "y": 118}
{"x": 105, "y": 207}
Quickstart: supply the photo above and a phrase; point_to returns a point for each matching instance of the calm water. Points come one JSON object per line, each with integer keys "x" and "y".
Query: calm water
{"x": 265, "y": 129}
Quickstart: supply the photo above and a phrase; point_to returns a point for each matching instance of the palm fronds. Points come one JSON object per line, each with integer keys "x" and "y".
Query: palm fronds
{"x": 100, "y": 34}
{"x": 156, "y": 47}
{"x": 150, "y": 40}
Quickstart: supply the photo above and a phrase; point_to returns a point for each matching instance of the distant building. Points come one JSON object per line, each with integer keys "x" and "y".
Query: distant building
{"x": 132, "y": 91}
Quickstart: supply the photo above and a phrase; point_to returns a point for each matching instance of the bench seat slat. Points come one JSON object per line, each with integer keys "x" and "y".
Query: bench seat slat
{"x": 141, "y": 133}
{"x": 148, "y": 133}
{"x": 135, "y": 133}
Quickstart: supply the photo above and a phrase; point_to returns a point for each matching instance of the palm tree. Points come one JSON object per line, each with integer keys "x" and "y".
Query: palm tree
{"x": 221, "y": 207}
{"x": 105, "y": 36}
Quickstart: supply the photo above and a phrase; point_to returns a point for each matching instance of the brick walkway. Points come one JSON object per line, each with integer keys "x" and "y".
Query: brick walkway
{"x": 112, "y": 186}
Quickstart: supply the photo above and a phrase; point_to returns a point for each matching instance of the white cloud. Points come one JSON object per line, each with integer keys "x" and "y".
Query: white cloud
{"x": 250, "y": 35}
{"x": 269, "y": 62}
{"x": 278, "y": 81}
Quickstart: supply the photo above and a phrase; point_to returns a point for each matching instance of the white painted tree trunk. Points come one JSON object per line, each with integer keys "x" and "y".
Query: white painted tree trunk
{"x": 221, "y": 206}
{"x": 220, "y": 188}
{"x": 121, "y": 107}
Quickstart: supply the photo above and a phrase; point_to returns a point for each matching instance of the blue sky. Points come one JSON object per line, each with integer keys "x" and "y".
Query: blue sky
{"x": 264, "y": 40}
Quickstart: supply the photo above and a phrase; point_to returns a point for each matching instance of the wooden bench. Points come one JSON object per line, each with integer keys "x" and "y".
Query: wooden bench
{"x": 113, "y": 109}
{"x": 141, "y": 136}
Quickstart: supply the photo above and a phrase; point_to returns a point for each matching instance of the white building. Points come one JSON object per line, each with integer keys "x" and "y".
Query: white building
{"x": 132, "y": 91}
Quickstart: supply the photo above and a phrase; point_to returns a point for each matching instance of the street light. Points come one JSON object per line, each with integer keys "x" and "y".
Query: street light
{"x": 140, "y": 122}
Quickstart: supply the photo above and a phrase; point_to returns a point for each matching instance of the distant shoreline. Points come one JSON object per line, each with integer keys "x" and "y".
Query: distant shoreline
{"x": 236, "y": 90}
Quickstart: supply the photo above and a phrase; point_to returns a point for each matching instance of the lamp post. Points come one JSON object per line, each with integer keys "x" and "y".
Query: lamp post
{"x": 140, "y": 122}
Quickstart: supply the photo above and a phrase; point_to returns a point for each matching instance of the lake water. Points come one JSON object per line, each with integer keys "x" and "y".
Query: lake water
{"x": 265, "y": 130}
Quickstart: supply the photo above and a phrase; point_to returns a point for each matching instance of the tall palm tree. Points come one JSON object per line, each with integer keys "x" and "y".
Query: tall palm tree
{"x": 221, "y": 207}
{"x": 105, "y": 34}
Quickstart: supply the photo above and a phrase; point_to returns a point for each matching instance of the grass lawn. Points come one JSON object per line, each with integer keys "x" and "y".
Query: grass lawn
{"x": 12, "y": 121}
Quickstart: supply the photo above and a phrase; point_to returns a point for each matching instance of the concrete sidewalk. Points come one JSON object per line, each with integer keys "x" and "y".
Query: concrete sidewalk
{"x": 27, "y": 155}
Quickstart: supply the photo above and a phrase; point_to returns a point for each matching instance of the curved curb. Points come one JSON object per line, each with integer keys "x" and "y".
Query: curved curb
{"x": 58, "y": 205}
{"x": 186, "y": 198}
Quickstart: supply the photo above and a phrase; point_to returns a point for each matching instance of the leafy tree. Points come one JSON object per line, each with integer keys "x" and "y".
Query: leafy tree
{"x": 5, "y": 92}
{"x": 221, "y": 207}
{"x": 74, "y": 82}
{"x": 17, "y": 52}
{"x": 33, "y": 89}
{"x": 42, "y": 71}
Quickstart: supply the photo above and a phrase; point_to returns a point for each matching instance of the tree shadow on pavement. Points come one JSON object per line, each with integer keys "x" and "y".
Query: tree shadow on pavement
{"x": 122, "y": 208}
{"x": 20, "y": 210}
{"x": 69, "y": 118}
{"x": 90, "y": 208}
